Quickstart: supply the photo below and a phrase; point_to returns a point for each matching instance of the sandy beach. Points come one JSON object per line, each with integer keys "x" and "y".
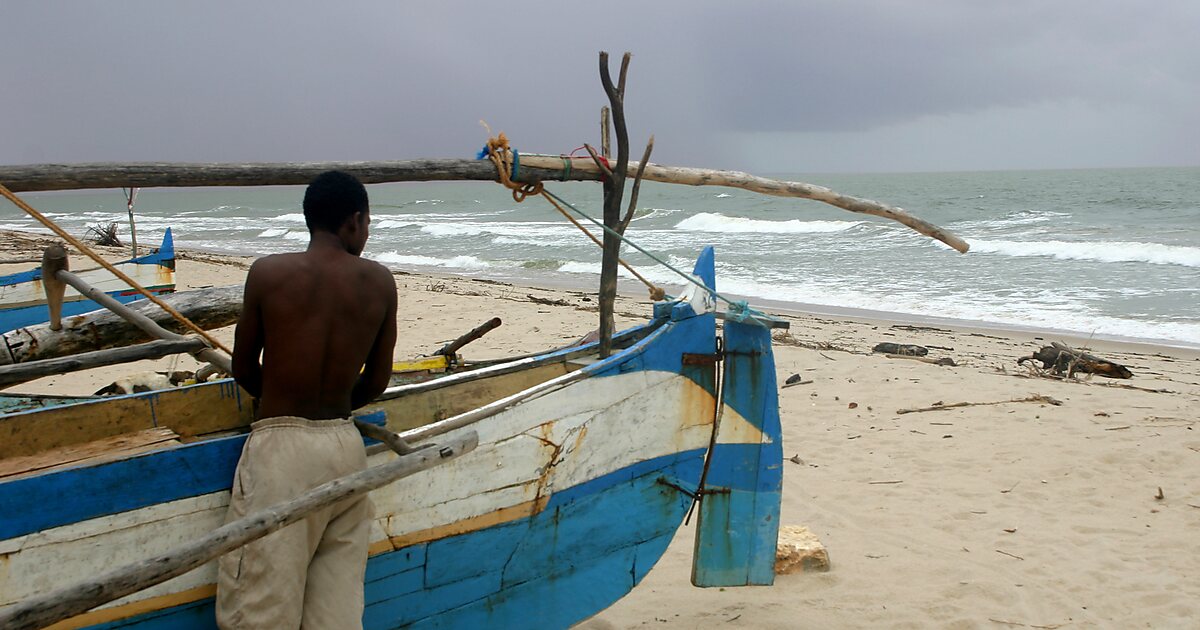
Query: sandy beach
{"x": 999, "y": 514}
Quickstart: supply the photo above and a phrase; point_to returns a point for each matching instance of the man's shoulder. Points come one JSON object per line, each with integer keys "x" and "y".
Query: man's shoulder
{"x": 273, "y": 263}
{"x": 376, "y": 271}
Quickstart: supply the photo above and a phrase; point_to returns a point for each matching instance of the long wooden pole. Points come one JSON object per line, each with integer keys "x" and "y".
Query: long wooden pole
{"x": 64, "y": 603}
{"x": 34, "y": 177}
{"x": 22, "y": 372}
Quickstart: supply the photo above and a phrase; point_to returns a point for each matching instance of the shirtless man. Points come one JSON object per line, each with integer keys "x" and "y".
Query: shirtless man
{"x": 324, "y": 322}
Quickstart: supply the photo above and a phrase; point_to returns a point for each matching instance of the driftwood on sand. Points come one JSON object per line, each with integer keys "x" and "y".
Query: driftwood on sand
{"x": 533, "y": 168}
{"x": 1062, "y": 360}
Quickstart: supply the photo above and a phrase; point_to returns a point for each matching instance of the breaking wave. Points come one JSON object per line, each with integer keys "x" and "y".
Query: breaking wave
{"x": 457, "y": 262}
{"x": 716, "y": 222}
{"x": 1100, "y": 251}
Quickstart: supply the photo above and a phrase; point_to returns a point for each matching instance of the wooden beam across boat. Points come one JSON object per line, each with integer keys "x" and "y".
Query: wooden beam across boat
{"x": 533, "y": 168}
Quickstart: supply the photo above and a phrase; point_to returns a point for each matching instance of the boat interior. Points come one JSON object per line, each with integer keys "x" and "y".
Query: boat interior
{"x": 40, "y": 433}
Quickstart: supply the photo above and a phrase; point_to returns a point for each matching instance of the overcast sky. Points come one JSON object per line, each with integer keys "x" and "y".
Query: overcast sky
{"x": 761, "y": 86}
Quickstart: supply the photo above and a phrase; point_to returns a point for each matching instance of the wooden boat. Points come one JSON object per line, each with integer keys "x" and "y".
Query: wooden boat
{"x": 23, "y": 301}
{"x": 584, "y": 470}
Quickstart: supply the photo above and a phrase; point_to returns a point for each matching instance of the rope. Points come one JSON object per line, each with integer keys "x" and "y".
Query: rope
{"x": 740, "y": 309}
{"x": 109, "y": 266}
{"x": 498, "y": 151}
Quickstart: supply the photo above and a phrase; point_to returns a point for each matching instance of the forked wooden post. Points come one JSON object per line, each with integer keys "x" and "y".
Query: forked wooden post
{"x": 54, "y": 260}
{"x": 614, "y": 189}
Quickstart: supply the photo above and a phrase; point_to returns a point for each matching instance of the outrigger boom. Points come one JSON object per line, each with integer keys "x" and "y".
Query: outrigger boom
{"x": 533, "y": 168}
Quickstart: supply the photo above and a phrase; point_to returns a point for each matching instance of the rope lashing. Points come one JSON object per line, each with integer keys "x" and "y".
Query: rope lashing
{"x": 84, "y": 249}
{"x": 499, "y": 152}
{"x": 744, "y": 311}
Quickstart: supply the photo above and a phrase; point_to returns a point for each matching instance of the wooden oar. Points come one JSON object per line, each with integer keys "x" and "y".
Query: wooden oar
{"x": 64, "y": 603}
{"x": 54, "y": 265}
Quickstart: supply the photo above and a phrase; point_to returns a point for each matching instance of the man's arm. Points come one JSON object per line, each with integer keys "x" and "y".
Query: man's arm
{"x": 248, "y": 337}
{"x": 378, "y": 368}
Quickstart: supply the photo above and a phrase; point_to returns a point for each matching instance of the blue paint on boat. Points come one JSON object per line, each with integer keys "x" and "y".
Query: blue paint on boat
{"x": 62, "y": 497}
{"x": 90, "y": 491}
{"x": 590, "y": 546}
{"x": 739, "y": 512}
{"x": 585, "y": 549}
{"x": 14, "y": 318}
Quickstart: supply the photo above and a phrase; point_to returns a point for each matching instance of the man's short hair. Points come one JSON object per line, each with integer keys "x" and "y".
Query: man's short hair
{"x": 331, "y": 198}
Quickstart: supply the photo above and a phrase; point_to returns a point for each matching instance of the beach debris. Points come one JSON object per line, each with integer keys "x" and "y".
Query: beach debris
{"x": 104, "y": 235}
{"x": 939, "y": 406}
{"x": 1160, "y": 496}
{"x": 901, "y": 349}
{"x": 546, "y": 301}
{"x": 1010, "y": 488}
{"x": 799, "y": 551}
{"x": 852, "y": 405}
{"x": 888, "y": 482}
{"x": 1062, "y": 360}
{"x": 795, "y": 459}
{"x": 1010, "y": 555}
{"x": 940, "y": 361}
{"x": 145, "y": 382}
{"x": 795, "y": 380}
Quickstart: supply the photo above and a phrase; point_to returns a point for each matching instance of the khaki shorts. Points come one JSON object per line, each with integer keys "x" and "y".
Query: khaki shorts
{"x": 310, "y": 573}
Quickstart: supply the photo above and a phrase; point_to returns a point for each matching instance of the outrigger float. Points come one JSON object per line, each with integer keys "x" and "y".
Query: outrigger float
{"x": 561, "y": 476}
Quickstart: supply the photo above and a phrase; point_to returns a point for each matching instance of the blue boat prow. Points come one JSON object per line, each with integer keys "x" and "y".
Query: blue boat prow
{"x": 741, "y": 492}
{"x": 22, "y": 306}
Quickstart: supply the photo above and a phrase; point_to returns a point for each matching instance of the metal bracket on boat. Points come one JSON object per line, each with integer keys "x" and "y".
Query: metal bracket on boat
{"x": 671, "y": 484}
{"x": 702, "y": 359}
{"x": 695, "y": 496}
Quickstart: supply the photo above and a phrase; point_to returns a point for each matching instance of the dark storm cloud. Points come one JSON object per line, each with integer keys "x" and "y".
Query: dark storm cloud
{"x": 389, "y": 80}
{"x": 833, "y": 66}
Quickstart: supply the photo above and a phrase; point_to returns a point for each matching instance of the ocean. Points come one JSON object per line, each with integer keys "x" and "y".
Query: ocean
{"x": 1105, "y": 253}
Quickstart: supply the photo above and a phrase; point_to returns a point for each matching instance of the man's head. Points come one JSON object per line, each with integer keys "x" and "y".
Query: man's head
{"x": 336, "y": 202}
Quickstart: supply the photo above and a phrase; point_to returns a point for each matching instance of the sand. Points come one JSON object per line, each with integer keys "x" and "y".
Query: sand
{"x": 1008, "y": 515}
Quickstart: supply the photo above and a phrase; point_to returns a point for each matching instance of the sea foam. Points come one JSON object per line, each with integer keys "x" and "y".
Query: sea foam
{"x": 457, "y": 262}
{"x": 716, "y": 222}
{"x": 1099, "y": 251}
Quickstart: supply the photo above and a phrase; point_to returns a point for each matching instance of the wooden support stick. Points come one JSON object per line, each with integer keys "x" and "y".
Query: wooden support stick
{"x": 603, "y": 168}
{"x": 477, "y": 332}
{"x": 52, "y": 607}
{"x": 219, "y": 360}
{"x": 32, "y": 177}
{"x": 637, "y": 186}
{"x": 54, "y": 260}
{"x": 605, "y": 141}
{"x": 22, "y": 372}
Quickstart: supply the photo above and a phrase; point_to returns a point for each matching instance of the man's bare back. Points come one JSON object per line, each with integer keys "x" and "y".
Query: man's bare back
{"x": 319, "y": 318}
